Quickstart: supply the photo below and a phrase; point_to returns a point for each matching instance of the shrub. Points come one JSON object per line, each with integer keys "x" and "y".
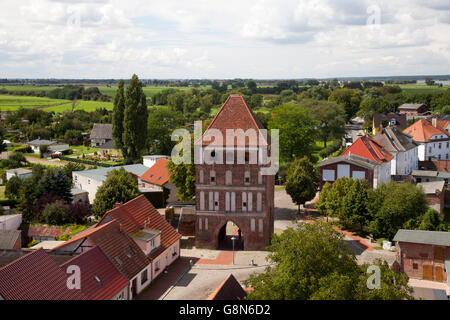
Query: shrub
{"x": 55, "y": 213}
{"x": 23, "y": 149}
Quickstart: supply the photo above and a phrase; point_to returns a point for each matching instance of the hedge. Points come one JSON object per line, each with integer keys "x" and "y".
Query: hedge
{"x": 92, "y": 163}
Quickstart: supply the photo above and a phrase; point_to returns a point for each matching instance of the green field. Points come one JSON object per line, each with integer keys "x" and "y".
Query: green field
{"x": 10, "y": 103}
{"x": 29, "y": 88}
{"x": 416, "y": 88}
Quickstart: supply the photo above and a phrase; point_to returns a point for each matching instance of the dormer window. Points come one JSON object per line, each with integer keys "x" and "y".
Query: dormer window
{"x": 118, "y": 261}
{"x": 97, "y": 279}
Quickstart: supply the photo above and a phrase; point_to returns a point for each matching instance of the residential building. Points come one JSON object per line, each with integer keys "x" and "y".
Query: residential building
{"x": 36, "y": 276}
{"x": 120, "y": 249}
{"x": 368, "y": 148}
{"x": 159, "y": 241}
{"x": 37, "y": 143}
{"x": 10, "y": 239}
{"x": 108, "y": 149}
{"x": 390, "y": 119}
{"x": 230, "y": 184}
{"x": 101, "y": 133}
{"x": 429, "y": 176}
{"x": 350, "y": 166}
{"x": 423, "y": 254}
{"x": 150, "y": 160}
{"x": 100, "y": 279}
{"x": 229, "y": 289}
{"x": 435, "y": 192}
{"x": 10, "y": 221}
{"x": 157, "y": 177}
{"x": 413, "y": 109}
{"x": 21, "y": 173}
{"x": 433, "y": 141}
{"x": 91, "y": 180}
{"x": 402, "y": 147}
{"x": 79, "y": 196}
{"x": 45, "y": 232}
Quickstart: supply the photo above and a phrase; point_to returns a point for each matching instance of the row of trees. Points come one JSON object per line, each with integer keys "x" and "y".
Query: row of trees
{"x": 381, "y": 211}
{"x": 130, "y": 120}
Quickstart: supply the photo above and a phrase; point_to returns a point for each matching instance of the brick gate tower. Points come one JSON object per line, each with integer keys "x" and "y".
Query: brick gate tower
{"x": 229, "y": 183}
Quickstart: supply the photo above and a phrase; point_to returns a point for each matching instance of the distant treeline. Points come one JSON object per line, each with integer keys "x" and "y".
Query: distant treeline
{"x": 68, "y": 92}
{"x": 400, "y": 81}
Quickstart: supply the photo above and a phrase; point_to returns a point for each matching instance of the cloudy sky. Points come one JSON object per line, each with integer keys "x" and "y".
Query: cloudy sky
{"x": 263, "y": 39}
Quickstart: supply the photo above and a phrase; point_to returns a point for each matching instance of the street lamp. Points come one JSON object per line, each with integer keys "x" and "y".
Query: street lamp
{"x": 232, "y": 239}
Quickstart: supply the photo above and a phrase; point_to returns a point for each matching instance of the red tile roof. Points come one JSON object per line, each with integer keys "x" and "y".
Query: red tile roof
{"x": 94, "y": 263}
{"x": 423, "y": 130}
{"x": 117, "y": 245}
{"x": 47, "y": 231}
{"x": 235, "y": 114}
{"x": 139, "y": 213}
{"x": 368, "y": 148}
{"x": 229, "y": 289}
{"x": 36, "y": 276}
{"x": 158, "y": 174}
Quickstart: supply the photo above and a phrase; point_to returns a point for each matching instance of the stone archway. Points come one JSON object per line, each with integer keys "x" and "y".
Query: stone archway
{"x": 224, "y": 235}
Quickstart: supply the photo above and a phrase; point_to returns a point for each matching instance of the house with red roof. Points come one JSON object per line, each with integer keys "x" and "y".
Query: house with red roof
{"x": 100, "y": 279}
{"x": 120, "y": 249}
{"x": 36, "y": 276}
{"x": 366, "y": 159}
{"x": 157, "y": 178}
{"x": 433, "y": 138}
{"x": 159, "y": 241}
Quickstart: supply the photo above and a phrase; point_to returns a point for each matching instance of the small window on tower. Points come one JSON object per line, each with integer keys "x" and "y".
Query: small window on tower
{"x": 213, "y": 154}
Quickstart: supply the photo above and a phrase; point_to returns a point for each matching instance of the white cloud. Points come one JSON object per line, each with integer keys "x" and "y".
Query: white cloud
{"x": 201, "y": 38}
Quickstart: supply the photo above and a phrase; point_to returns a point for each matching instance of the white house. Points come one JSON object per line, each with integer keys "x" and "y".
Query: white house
{"x": 21, "y": 173}
{"x": 91, "y": 180}
{"x": 402, "y": 147}
{"x": 432, "y": 138}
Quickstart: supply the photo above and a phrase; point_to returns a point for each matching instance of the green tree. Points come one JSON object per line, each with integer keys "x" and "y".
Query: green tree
{"x": 302, "y": 181}
{"x": 331, "y": 118}
{"x": 12, "y": 188}
{"x": 431, "y": 221}
{"x": 71, "y": 167}
{"x": 354, "y": 205}
{"x": 350, "y": 99}
{"x": 55, "y": 181}
{"x": 371, "y": 106}
{"x": 313, "y": 262}
{"x": 118, "y": 187}
{"x": 135, "y": 120}
{"x": 161, "y": 123}
{"x": 118, "y": 118}
{"x": 55, "y": 213}
{"x": 392, "y": 205}
{"x": 322, "y": 205}
{"x": 297, "y": 131}
{"x": 183, "y": 176}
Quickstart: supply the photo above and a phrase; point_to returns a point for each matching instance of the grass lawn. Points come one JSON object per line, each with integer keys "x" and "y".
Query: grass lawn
{"x": 11, "y": 103}
{"x": 2, "y": 193}
{"x": 279, "y": 188}
{"x": 79, "y": 150}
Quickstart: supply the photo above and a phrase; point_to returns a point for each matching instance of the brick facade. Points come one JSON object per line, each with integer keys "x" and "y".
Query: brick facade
{"x": 234, "y": 192}
{"x": 422, "y": 261}
{"x": 353, "y": 167}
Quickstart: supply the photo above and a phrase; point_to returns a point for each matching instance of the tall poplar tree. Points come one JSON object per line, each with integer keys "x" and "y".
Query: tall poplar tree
{"x": 117, "y": 121}
{"x": 135, "y": 120}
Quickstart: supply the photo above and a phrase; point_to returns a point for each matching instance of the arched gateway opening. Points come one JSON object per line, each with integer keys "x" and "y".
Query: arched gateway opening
{"x": 226, "y": 234}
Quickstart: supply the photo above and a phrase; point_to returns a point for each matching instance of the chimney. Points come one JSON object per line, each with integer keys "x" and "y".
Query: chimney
{"x": 434, "y": 122}
{"x": 118, "y": 204}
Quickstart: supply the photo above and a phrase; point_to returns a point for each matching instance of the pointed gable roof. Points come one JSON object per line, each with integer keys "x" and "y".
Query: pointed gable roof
{"x": 100, "y": 279}
{"x": 394, "y": 140}
{"x": 235, "y": 114}
{"x": 229, "y": 289}
{"x": 140, "y": 213}
{"x": 101, "y": 131}
{"x": 423, "y": 130}
{"x": 367, "y": 147}
{"x": 116, "y": 244}
{"x": 36, "y": 276}
{"x": 158, "y": 173}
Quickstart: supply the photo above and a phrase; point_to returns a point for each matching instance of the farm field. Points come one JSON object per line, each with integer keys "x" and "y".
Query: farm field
{"x": 10, "y": 103}
{"x": 417, "y": 88}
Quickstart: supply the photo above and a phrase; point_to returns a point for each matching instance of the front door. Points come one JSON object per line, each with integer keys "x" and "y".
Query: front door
{"x": 428, "y": 272}
{"x": 134, "y": 288}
